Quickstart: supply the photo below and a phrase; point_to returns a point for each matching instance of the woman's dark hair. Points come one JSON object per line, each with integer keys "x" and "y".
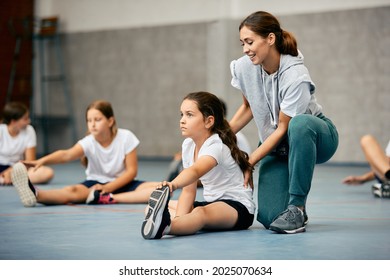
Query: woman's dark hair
{"x": 263, "y": 23}
{"x": 210, "y": 105}
{"x": 13, "y": 111}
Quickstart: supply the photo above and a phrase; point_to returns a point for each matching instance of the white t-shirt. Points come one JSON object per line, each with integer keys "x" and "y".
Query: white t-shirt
{"x": 105, "y": 164}
{"x": 388, "y": 149}
{"x": 12, "y": 149}
{"x": 225, "y": 180}
{"x": 243, "y": 143}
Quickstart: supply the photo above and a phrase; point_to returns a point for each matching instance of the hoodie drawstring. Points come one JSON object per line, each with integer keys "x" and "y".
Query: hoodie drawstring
{"x": 275, "y": 89}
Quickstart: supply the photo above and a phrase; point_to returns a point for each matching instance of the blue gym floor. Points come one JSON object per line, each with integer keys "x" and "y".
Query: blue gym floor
{"x": 345, "y": 223}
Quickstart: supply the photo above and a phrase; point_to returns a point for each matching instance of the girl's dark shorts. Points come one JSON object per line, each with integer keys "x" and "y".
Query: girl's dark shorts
{"x": 245, "y": 219}
{"x": 378, "y": 179}
{"x": 4, "y": 167}
{"x": 127, "y": 188}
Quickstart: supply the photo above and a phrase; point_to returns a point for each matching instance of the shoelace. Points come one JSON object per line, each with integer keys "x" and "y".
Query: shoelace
{"x": 105, "y": 199}
{"x": 288, "y": 215}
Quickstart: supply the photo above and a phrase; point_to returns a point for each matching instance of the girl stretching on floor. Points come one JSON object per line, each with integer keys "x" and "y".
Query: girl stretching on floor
{"x": 18, "y": 141}
{"x": 210, "y": 154}
{"x": 111, "y": 165}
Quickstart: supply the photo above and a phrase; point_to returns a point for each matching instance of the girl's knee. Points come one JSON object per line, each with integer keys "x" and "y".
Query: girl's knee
{"x": 72, "y": 189}
{"x": 198, "y": 210}
{"x": 367, "y": 140}
{"x": 50, "y": 172}
{"x": 202, "y": 214}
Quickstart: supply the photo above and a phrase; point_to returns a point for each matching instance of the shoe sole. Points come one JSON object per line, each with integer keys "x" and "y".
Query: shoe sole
{"x": 156, "y": 205}
{"x": 292, "y": 231}
{"x": 381, "y": 191}
{"x": 386, "y": 191}
{"x": 305, "y": 219}
{"x": 377, "y": 193}
{"x": 376, "y": 190}
{"x": 19, "y": 179}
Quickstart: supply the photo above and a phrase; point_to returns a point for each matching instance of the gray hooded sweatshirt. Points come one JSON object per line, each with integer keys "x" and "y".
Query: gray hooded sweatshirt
{"x": 290, "y": 90}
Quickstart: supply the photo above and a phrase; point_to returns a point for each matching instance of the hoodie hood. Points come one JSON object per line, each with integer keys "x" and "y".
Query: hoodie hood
{"x": 288, "y": 61}
{"x": 295, "y": 65}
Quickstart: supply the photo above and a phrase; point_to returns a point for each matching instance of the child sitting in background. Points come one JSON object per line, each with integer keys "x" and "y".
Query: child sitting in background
{"x": 18, "y": 141}
{"x": 112, "y": 165}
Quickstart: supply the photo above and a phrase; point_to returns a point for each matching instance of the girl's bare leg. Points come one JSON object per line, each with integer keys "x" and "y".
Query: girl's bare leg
{"x": 69, "y": 194}
{"x": 375, "y": 155}
{"x": 216, "y": 216}
{"x": 139, "y": 195}
{"x": 40, "y": 176}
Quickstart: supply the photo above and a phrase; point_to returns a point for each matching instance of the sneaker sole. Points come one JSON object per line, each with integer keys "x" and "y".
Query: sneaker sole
{"x": 376, "y": 193}
{"x": 292, "y": 231}
{"x": 156, "y": 205}
{"x": 305, "y": 219}
{"x": 385, "y": 191}
{"x": 19, "y": 179}
{"x": 381, "y": 191}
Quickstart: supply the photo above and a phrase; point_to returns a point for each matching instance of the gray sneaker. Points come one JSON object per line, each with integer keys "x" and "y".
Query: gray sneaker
{"x": 290, "y": 220}
{"x": 381, "y": 190}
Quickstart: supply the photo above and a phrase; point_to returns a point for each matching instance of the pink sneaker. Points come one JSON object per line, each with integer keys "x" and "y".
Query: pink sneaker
{"x": 95, "y": 197}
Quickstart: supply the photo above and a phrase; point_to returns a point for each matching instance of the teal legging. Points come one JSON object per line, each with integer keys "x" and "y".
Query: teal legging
{"x": 285, "y": 181}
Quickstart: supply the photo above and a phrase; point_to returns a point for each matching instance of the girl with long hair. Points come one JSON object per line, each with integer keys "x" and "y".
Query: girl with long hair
{"x": 211, "y": 155}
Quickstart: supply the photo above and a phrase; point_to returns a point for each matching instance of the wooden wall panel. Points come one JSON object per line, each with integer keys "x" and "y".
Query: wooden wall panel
{"x": 19, "y": 13}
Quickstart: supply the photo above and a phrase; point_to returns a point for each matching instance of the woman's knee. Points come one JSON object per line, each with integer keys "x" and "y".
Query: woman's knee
{"x": 298, "y": 121}
{"x": 299, "y": 125}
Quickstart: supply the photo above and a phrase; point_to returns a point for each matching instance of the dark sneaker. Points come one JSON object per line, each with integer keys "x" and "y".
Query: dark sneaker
{"x": 27, "y": 192}
{"x": 95, "y": 197}
{"x": 290, "y": 220}
{"x": 381, "y": 190}
{"x": 157, "y": 220}
{"x": 305, "y": 217}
